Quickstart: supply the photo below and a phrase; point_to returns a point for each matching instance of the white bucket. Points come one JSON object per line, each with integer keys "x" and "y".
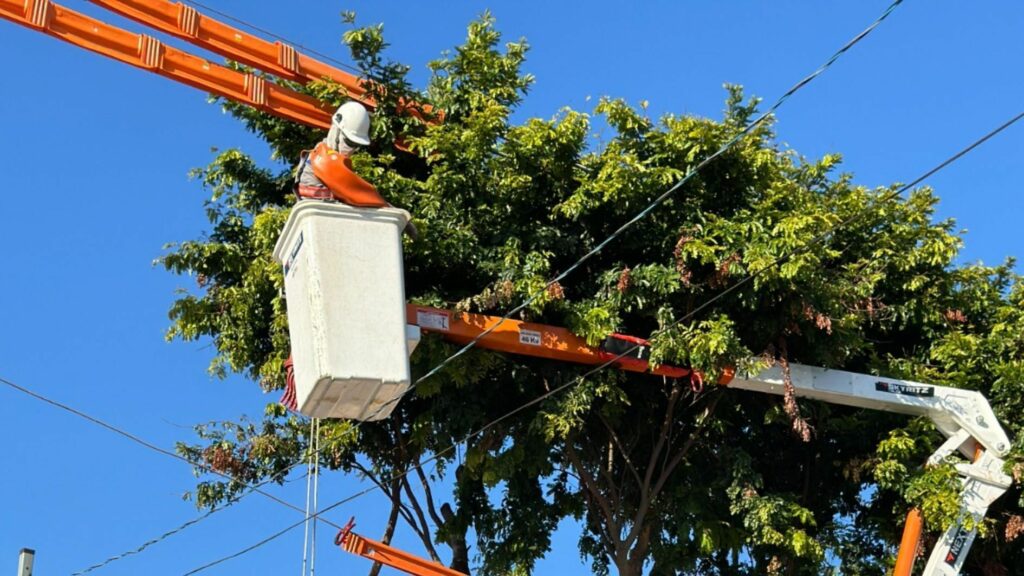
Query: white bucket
{"x": 344, "y": 284}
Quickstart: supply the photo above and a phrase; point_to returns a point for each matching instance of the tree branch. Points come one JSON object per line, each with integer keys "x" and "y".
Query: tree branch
{"x": 431, "y": 509}
{"x": 622, "y": 449}
{"x": 405, "y": 512}
{"x": 667, "y": 471}
{"x": 612, "y": 526}
{"x": 389, "y": 529}
{"x": 428, "y": 541}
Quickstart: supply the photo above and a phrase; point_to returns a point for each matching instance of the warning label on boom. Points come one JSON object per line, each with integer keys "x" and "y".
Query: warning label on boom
{"x": 530, "y": 337}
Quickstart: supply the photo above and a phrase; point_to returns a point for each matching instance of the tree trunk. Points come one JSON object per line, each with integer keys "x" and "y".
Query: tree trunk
{"x": 389, "y": 529}
{"x": 460, "y": 550}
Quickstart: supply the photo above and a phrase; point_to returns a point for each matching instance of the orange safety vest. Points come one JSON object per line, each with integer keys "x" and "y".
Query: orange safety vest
{"x": 335, "y": 171}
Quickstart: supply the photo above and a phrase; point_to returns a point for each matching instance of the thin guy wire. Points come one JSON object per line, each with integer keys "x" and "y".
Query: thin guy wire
{"x": 780, "y": 260}
{"x": 279, "y": 533}
{"x": 151, "y": 446}
{"x": 657, "y": 201}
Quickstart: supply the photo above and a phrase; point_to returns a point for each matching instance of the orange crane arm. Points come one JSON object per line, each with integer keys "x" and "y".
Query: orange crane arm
{"x": 542, "y": 341}
{"x": 378, "y": 552}
{"x": 277, "y": 58}
{"x": 148, "y": 53}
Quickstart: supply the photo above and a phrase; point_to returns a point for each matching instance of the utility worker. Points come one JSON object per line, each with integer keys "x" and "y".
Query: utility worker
{"x": 326, "y": 173}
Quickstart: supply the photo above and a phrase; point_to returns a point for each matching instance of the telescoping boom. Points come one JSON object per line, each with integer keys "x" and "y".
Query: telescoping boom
{"x": 964, "y": 417}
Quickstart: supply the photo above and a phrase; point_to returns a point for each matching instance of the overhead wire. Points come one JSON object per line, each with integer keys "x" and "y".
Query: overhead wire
{"x": 148, "y": 543}
{"x": 743, "y": 281}
{"x": 169, "y": 533}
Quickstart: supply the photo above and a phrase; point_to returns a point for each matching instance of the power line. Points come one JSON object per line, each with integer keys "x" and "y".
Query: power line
{"x": 172, "y": 531}
{"x": 152, "y": 541}
{"x": 138, "y": 440}
{"x": 657, "y": 201}
{"x": 743, "y": 281}
{"x": 287, "y": 529}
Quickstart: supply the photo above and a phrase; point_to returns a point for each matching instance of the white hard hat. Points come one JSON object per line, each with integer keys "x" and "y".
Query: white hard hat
{"x": 354, "y": 122}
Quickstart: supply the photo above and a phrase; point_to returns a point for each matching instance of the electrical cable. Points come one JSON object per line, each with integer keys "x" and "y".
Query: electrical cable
{"x": 280, "y": 533}
{"x": 230, "y": 502}
{"x": 150, "y": 542}
{"x": 169, "y": 533}
{"x": 252, "y": 488}
{"x": 656, "y": 202}
{"x": 778, "y": 261}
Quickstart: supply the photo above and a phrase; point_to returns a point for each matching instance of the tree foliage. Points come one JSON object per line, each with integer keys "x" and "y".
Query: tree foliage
{"x": 663, "y": 477}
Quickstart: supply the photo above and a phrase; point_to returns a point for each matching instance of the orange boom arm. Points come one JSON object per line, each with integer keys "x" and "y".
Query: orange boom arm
{"x": 148, "y": 53}
{"x": 277, "y": 58}
{"x": 542, "y": 341}
{"x": 353, "y": 543}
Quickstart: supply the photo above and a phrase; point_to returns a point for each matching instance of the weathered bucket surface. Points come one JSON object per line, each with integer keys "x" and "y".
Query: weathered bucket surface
{"x": 344, "y": 284}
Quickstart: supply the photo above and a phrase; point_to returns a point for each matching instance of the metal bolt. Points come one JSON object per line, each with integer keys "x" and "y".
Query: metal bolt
{"x": 980, "y": 420}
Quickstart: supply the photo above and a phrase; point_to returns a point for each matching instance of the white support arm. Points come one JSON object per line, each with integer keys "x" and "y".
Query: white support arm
{"x": 963, "y": 416}
{"x": 952, "y": 409}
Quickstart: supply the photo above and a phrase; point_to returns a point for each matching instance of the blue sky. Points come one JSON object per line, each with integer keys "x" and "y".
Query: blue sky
{"x": 95, "y": 156}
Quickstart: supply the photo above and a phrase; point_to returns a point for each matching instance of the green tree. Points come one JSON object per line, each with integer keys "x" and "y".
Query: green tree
{"x": 663, "y": 477}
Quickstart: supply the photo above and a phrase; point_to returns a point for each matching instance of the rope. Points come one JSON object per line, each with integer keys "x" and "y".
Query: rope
{"x": 316, "y": 493}
{"x": 309, "y": 481}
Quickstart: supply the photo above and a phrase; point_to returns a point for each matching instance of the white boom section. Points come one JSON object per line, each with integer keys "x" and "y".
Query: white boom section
{"x": 963, "y": 416}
